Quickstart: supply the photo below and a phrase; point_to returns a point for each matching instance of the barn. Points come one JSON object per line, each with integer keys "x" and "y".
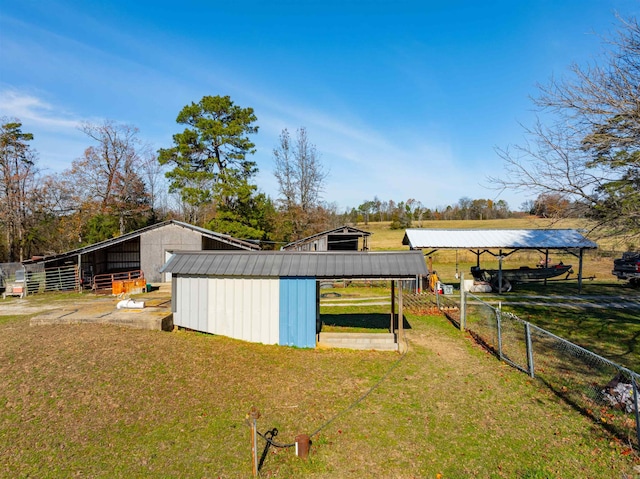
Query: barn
{"x": 144, "y": 250}
{"x": 272, "y": 297}
{"x": 344, "y": 238}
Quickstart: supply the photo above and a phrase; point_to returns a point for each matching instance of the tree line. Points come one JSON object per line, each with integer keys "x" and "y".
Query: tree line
{"x": 411, "y": 212}
{"x": 117, "y": 186}
{"x": 584, "y": 162}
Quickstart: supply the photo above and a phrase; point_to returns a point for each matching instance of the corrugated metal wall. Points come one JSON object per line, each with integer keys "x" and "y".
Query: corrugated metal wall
{"x": 240, "y": 308}
{"x": 245, "y": 308}
{"x": 298, "y": 312}
{"x": 124, "y": 256}
{"x": 191, "y": 303}
{"x": 260, "y": 310}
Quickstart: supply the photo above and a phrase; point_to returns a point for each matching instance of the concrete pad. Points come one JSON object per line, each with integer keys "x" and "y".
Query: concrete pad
{"x": 153, "y": 317}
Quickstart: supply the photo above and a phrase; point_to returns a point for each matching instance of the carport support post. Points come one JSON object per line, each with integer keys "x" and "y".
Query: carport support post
{"x": 400, "y": 318}
{"x": 463, "y": 304}
{"x": 546, "y": 263}
{"x": 580, "y": 271}
{"x": 500, "y": 273}
{"x": 392, "y": 328}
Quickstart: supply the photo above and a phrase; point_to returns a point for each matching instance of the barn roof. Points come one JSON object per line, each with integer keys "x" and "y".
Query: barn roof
{"x": 321, "y": 265}
{"x": 342, "y": 230}
{"x": 223, "y": 238}
{"x": 496, "y": 238}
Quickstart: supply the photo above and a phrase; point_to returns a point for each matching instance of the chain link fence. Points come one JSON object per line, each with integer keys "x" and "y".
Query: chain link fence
{"x": 594, "y": 385}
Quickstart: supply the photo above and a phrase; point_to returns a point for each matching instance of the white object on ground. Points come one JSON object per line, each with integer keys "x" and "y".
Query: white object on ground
{"x": 130, "y": 304}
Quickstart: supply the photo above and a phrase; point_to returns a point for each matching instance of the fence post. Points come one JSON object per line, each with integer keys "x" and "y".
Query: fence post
{"x": 499, "y": 328}
{"x": 463, "y": 304}
{"x": 527, "y": 337}
{"x": 253, "y": 416}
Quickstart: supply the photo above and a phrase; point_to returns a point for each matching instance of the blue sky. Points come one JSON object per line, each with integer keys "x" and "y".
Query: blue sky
{"x": 403, "y": 99}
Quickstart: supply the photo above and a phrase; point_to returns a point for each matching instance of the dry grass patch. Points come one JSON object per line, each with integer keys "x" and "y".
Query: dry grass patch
{"x": 103, "y": 401}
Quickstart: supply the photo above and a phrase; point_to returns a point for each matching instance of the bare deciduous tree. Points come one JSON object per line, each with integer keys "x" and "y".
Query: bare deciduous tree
{"x": 108, "y": 178}
{"x": 17, "y": 176}
{"x": 299, "y": 171}
{"x": 587, "y": 150}
{"x": 301, "y": 177}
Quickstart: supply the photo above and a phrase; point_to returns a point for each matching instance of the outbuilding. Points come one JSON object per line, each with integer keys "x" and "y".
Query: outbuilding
{"x": 145, "y": 250}
{"x": 273, "y": 297}
{"x": 344, "y": 238}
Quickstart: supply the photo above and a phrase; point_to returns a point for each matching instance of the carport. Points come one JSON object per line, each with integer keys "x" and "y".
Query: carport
{"x": 505, "y": 241}
{"x": 273, "y": 297}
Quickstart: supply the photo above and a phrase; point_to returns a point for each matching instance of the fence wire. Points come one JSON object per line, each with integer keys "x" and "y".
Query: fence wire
{"x": 591, "y": 383}
{"x": 596, "y": 386}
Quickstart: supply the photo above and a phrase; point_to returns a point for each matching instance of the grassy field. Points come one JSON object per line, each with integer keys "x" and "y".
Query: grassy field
{"x": 102, "y": 401}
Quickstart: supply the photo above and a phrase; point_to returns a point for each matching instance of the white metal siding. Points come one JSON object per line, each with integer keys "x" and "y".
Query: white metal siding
{"x": 245, "y": 308}
{"x": 241, "y": 308}
{"x": 191, "y": 303}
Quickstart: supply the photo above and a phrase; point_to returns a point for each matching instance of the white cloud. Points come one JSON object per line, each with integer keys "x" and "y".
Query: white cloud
{"x": 57, "y": 138}
{"x": 29, "y": 108}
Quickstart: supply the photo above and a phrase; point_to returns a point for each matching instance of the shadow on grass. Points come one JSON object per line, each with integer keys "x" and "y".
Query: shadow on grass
{"x": 569, "y": 287}
{"x": 360, "y": 321}
{"x": 611, "y": 332}
{"x": 617, "y": 430}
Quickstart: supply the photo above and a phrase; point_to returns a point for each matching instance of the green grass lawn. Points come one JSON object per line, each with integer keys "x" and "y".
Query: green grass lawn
{"x": 596, "y": 319}
{"x": 103, "y": 401}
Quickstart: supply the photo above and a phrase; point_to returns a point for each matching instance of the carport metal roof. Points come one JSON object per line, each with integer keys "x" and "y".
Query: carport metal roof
{"x": 496, "y": 239}
{"x": 481, "y": 241}
{"x": 321, "y": 265}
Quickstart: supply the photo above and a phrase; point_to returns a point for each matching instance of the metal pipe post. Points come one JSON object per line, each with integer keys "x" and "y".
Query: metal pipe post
{"x": 253, "y": 416}
{"x": 463, "y": 304}
{"x": 499, "y": 329}
{"x": 527, "y": 336}
{"x": 634, "y": 383}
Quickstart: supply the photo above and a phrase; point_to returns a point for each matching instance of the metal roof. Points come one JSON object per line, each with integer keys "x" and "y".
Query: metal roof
{"x": 321, "y": 265}
{"x": 125, "y": 237}
{"x": 493, "y": 239}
